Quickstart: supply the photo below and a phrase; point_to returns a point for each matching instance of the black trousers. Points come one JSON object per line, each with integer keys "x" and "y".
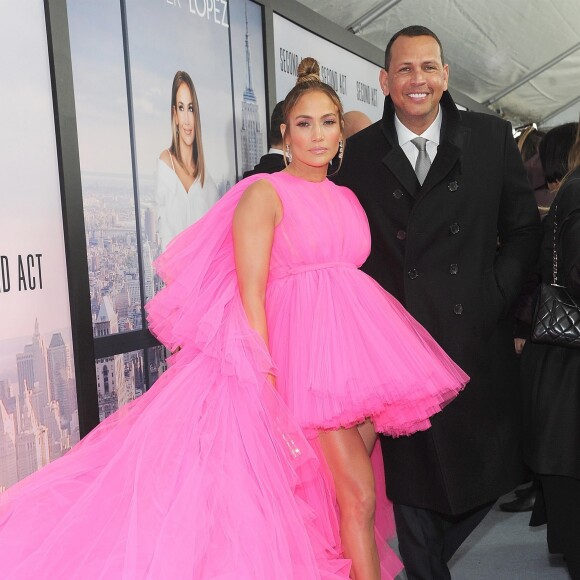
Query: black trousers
{"x": 562, "y": 497}
{"x": 428, "y": 539}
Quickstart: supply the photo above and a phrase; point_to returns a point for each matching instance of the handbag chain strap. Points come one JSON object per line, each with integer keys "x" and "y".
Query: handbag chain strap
{"x": 554, "y": 251}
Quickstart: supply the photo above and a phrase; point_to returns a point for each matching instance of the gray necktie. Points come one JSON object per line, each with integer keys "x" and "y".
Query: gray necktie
{"x": 423, "y": 161}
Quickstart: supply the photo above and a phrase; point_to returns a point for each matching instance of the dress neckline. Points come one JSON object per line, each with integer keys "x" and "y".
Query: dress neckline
{"x": 295, "y": 177}
{"x": 174, "y": 173}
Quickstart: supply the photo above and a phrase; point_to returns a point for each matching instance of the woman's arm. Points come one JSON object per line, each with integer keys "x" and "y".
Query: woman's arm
{"x": 257, "y": 214}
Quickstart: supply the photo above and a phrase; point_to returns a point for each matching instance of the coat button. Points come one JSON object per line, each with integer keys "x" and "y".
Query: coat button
{"x": 453, "y": 269}
{"x": 458, "y": 309}
{"x": 401, "y": 235}
{"x": 453, "y": 186}
{"x": 454, "y": 228}
{"x": 412, "y": 274}
{"x": 397, "y": 194}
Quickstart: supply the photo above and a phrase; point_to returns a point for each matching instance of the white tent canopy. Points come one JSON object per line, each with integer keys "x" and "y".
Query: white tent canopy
{"x": 520, "y": 58}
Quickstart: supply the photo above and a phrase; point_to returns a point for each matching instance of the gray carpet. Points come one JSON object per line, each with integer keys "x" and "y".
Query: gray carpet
{"x": 504, "y": 547}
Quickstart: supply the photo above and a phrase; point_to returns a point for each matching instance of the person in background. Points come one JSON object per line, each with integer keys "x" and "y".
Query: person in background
{"x": 529, "y": 142}
{"x": 529, "y": 145}
{"x": 555, "y": 146}
{"x": 355, "y": 121}
{"x": 553, "y": 152}
{"x": 551, "y": 379}
{"x": 273, "y": 161}
{"x": 437, "y": 206}
{"x": 185, "y": 190}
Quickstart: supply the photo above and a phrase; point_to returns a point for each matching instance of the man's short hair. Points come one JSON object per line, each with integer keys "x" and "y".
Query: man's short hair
{"x": 412, "y": 31}
{"x": 276, "y": 120}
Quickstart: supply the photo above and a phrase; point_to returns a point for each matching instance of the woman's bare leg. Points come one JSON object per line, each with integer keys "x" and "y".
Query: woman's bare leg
{"x": 368, "y": 434}
{"x": 350, "y": 465}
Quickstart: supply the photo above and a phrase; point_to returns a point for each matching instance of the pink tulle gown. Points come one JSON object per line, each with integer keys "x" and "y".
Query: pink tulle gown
{"x": 212, "y": 473}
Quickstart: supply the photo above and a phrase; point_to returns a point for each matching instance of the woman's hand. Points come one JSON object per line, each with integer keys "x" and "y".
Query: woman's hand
{"x": 519, "y": 344}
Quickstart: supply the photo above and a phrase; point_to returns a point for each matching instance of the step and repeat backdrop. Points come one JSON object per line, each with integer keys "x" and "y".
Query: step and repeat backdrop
{"x": 355, "y": 80}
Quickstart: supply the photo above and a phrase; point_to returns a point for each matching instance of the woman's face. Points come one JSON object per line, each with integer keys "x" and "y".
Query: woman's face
{"x": 183, "y": 114}
{"x": 313, "y": 130}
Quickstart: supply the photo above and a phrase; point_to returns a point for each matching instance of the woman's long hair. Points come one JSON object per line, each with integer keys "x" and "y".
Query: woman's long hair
{"x": 529, "y": 142}
{"x": 181, "y": 77}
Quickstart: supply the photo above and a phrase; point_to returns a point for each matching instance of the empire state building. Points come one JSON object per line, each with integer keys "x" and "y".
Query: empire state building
{"x": 251, "y": 132}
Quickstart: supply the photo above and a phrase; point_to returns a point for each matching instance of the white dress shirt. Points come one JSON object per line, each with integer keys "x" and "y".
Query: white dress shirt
{"x": 432, "y": 134}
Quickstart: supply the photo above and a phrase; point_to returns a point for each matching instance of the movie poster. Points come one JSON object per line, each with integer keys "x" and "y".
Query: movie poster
{"x": 355, "y": 80}
{"x": 190, "y": 76}
{"x": 182, "y": 107}
{"x": 38, "y": 406}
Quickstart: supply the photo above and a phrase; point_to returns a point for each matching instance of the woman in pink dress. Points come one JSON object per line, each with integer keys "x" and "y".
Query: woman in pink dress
{"x": 250, "y": 458}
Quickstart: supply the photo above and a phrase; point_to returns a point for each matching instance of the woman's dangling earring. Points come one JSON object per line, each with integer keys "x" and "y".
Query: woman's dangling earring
{"x": 340, "y": 149}
{"x": 177, "y": 130}
{"x": 288, "y": 153}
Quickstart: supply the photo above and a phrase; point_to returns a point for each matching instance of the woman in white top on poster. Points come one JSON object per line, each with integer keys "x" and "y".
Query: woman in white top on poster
{"x": 185, "y": 190}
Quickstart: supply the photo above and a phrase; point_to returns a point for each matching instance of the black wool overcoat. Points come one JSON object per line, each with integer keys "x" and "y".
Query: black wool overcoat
{"x": 269, "y": 163}
{"x": 455, "y": 252}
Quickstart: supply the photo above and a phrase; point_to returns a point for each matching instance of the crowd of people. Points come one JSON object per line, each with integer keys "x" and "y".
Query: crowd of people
{"x": 352, "y": 358}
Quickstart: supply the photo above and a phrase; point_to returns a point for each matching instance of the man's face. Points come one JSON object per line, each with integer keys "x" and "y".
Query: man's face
{"x": 415, "y": 80}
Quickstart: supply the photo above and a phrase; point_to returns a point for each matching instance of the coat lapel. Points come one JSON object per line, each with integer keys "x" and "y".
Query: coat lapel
{"x": 395, "y": 159}
{"x": 398, "y": 164}
{"x": 448, "y": 155}
{"x": 454, "y": 139}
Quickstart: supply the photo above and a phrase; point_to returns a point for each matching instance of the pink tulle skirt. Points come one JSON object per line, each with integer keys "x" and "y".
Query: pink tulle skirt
{"x": 205, "y": 476}
{"x": 381, "y": 363}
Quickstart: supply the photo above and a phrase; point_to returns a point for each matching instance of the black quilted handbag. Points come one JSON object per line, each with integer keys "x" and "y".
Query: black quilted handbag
{"x": 556, "y": 317}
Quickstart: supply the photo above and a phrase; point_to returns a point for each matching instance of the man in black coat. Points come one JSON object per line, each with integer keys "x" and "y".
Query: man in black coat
{"x": 454, "y": 249}
{"x": 273, "y": 161}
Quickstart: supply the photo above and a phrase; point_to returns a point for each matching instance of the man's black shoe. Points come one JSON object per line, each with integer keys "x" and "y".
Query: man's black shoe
{"x": 520, "y": 504}
{"x": 524, "y": 491}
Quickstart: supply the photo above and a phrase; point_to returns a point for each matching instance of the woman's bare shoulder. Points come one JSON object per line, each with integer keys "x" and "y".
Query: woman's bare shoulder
{"x": 260, "y": 197}
{"x": 261, "y": 191}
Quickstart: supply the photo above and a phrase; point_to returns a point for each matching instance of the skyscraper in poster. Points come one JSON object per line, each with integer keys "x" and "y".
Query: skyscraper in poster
{"x": 8, "y": 436}
{"x": 59, "y": 374}
{"x": 252, "y": 137}
{"x": 38, "y": 410}
{"x": 32, "y": 368}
